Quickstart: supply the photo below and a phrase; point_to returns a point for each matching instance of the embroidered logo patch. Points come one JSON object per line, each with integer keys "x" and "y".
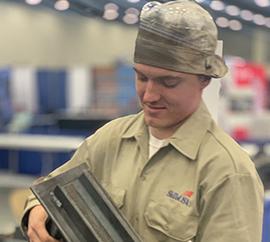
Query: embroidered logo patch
{"x": 183, "y": 198}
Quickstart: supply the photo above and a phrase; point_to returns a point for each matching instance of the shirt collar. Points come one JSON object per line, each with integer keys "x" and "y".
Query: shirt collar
{"x": 140, "y": 131}
{"x": 187, "y": 139}
{"x": 138, "y": 128}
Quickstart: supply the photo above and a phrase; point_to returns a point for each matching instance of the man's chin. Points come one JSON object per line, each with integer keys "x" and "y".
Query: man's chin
{"x": 162, "y": 124}
{"x": 154, "y": 122}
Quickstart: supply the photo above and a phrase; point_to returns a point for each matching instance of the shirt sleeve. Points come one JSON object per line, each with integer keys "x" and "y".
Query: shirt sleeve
{"x": 232, "y": 210}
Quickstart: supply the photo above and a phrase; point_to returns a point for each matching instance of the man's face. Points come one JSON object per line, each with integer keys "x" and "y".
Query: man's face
{"x": 168, "y": 98}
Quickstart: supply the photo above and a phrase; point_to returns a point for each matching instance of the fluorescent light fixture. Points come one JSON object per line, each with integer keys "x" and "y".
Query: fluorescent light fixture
{"x": 235, "y": 25}
{"x": 262, "y": 3}
{"x": 232, "y": 10}
{"x": 61, "y": 5}
{"x": 222, "y": 22}
{"x": 246, "y": 15}
{"x": 134, "y": 11}
{"x": 133, "y": 1}
{"x": 130, "y": 18}
{"x": 33, "y": 2}
{"x": 267, "y": 22}
{"x": 112, "y": 6}
{"x": 217, "y": 5}
{"x": 110, "y": 14}
{"x": 259, "y": 19}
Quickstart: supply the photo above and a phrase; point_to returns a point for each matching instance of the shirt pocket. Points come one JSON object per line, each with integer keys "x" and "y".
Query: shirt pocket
{"x": 117, "y": 194}
{"x": 170, "y": 222}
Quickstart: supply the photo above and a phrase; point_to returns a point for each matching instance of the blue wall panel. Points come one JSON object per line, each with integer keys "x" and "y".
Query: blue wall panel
{"x": 52, "y": 90}
{"x": 266, "y": 221}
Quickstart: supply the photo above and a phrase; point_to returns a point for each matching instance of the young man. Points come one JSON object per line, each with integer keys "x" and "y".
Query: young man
{"x": 175, "y": 175}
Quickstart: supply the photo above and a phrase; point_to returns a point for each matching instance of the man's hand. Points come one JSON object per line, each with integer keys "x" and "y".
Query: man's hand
{"x": 37, "y": 226}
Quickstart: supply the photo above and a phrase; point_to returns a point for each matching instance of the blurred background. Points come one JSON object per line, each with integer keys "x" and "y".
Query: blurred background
{"x": 66, "y": 69}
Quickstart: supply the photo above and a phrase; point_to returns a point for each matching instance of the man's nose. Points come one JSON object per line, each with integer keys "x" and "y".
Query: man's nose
{"x": 151, "y": 93}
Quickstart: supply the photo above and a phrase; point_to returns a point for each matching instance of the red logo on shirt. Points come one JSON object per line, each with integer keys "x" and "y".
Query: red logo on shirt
{"x": 187, "y": 193}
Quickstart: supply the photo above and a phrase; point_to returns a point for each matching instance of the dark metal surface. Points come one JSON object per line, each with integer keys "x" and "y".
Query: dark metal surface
{"x": 82, "y": 210}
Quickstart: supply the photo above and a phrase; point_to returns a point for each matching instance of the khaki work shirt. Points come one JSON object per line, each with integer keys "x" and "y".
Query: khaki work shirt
{"x": 199, "y": 187}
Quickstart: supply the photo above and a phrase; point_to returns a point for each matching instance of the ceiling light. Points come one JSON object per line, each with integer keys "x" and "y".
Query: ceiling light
{"x": 33, "y": 2}
{"x": 199, "y": 1}
{"x": 61, "y": 5}
{"x": 132, "y": 11}
{"x": 133, "y": 1}
{"x": 246, "y": 15}
{"x": 112, "y": 6}
{"x": 259, "y": 19}
{"x": 267, "y": 22}
{"x": 235, "y": 25}
{"x": 262, "y": 3}
{"x": 110, "y": 14}
{"x": 222, "y": 22}
{"x": 232, "y": 10}
{"x": 130, "y": 18}
{"x": 217, "y": 5}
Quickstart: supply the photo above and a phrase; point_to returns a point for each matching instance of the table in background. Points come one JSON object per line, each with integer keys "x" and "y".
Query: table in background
{"x": 46, "y": 144}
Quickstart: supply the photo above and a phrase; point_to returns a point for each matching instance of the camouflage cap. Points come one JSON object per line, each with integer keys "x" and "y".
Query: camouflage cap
{"x": 179, "y": 36}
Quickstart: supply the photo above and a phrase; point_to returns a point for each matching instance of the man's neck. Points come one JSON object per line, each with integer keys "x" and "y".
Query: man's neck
{"x": 162, "y": 133}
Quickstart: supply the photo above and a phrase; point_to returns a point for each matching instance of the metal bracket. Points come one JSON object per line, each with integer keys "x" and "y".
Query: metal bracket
{"x": 82, "y": 210}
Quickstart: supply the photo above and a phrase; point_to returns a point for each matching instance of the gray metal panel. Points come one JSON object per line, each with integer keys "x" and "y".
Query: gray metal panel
{"x": 82, "y": 210}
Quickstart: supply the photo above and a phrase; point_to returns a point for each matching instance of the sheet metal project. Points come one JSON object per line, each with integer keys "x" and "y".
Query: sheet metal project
{"x": 82, "y": 210}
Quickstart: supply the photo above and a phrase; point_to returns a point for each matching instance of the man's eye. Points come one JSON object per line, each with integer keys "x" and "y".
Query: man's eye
{"x": 170, "y": 83}
{"x": 142, "y": 78}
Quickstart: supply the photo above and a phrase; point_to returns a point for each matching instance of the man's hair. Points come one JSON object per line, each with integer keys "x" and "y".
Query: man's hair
{"x": 203, "y": 77}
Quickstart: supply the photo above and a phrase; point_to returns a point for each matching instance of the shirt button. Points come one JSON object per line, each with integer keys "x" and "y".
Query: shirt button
{"x": 143, "y": 178}
{"x": 166, "y": 227}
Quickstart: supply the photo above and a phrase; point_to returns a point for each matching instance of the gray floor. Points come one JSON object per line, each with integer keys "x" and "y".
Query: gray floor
{"x": 9, "y": 182}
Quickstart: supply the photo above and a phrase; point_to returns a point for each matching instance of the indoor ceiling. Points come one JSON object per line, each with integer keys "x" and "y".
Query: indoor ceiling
{"x": 235, "y": 14}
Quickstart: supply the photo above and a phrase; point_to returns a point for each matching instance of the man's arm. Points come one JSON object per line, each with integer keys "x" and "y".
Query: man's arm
{"x": 232, "y": 210}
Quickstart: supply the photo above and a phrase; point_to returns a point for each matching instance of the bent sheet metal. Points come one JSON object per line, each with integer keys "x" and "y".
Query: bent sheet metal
{"x": 82, "y": 210}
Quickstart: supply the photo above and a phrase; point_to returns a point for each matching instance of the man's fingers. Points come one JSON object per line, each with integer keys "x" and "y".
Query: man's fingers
{"x": 37, "y": 231}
